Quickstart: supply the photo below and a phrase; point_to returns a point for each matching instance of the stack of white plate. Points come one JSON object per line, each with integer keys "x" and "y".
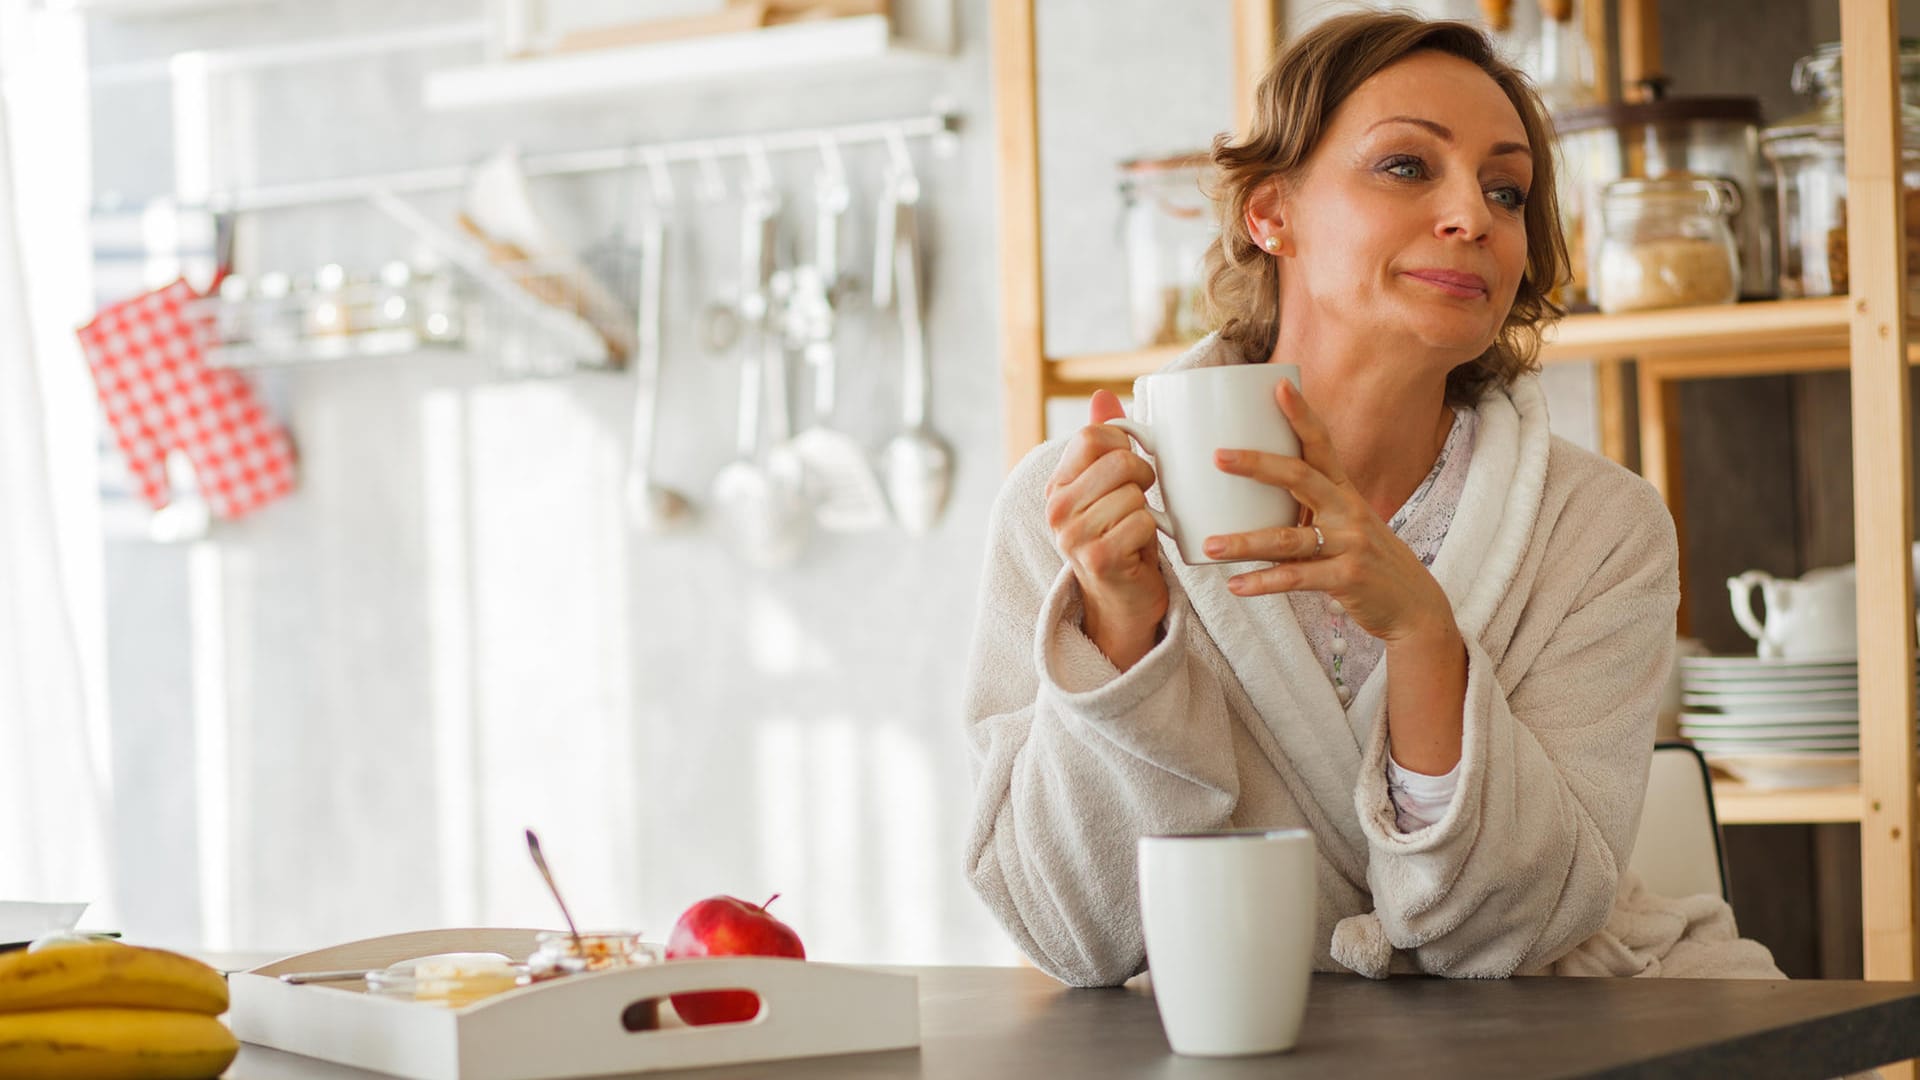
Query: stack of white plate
{"x": 1774, "y": 723}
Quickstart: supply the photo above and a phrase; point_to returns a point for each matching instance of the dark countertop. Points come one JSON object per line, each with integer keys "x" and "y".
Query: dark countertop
{"x": 1014, "y": 1023}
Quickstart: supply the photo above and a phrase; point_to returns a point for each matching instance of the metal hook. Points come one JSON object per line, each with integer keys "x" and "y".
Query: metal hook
{"x": 713, "y": 182}
{"x": 900, "y": 167}
{"x": 660, "y": 176}
{"x": 759, "y": 171}
{"x": 833, "y": 166}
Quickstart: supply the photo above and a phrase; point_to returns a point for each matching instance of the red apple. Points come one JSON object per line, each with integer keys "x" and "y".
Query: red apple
{"x": 724, "y": 926}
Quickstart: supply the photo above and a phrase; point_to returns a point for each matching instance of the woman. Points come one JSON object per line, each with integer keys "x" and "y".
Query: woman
{"x": 1449, "y": 670}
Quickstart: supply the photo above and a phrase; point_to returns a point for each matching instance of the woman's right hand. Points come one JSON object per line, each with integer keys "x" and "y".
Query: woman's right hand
{"x": 1097, "y": 509}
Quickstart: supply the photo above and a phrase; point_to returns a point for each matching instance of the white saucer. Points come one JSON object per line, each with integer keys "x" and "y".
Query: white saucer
{"x": 1709, "y": 732}
{"x": 1759, "y": 744}
{"x": 1830, "y": 701}
{"x": 1742, "y": 685}
{"x": 1831, "y": 719}
{"x": 1764, "y": 667}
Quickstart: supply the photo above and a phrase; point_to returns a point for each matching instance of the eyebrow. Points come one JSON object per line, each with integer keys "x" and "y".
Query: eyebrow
{"x": 1446, "y": 133}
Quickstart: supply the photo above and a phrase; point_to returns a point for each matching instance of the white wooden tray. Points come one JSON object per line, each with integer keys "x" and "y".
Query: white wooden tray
{"x": 570, "y": 1026}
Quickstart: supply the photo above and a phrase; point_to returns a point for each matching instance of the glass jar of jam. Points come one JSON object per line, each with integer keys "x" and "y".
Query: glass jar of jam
{"x": 557, "y": 954}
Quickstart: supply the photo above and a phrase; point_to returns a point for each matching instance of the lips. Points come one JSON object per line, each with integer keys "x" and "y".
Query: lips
{"x": 1452, "y": 282}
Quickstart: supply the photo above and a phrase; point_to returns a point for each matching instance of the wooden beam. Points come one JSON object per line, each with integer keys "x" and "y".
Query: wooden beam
{"x": 1616, "y": 431}
{"x": 1594, "y": 24}
{"x": 1256, "y": 30}
{"x": 1639, "y": 47}
{"x": 1022, "y": 301}
{"x": 1660, "y": 458}
{"x": 1882, "y": 492}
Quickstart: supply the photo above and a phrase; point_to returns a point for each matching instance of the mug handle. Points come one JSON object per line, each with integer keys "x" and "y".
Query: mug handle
{"x": 1143, "y": 435}
{"x": 1740, "y": 591}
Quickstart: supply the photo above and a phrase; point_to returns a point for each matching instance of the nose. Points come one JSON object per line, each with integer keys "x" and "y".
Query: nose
{"x": 1463, "y": 212}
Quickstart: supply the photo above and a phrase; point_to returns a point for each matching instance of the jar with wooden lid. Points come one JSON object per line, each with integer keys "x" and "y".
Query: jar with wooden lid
{"x": 1668, "y": 242}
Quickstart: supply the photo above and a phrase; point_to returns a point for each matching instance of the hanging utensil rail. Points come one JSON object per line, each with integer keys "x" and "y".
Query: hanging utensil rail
{"x": 941, "y": 126}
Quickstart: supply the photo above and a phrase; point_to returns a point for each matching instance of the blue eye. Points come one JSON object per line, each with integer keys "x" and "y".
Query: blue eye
{"x": 1414, "y": 166}
{"x": 1514, "y": 197}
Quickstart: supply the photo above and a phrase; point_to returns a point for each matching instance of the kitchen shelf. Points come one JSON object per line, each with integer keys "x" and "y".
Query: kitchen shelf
{"x": 368, "y": 345}
{"x": 1737, "y": 804}
{"x": 1763, "y": 337}
{"x": 816, "y": 44}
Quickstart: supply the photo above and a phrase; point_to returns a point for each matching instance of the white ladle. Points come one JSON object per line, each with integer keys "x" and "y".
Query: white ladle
{"x": 651, "y": 507}
{"x": 917, "y": 464}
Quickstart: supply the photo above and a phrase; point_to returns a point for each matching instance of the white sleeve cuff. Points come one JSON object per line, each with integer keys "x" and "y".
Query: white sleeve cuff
{"x": 1419, "y": 800}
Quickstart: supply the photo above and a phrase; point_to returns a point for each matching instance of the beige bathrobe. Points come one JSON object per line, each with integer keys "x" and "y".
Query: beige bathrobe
{"x": 1561, "y": 567}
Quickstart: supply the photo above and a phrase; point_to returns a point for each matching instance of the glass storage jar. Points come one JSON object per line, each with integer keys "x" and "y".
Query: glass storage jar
{"x": 1680, "y": 136}
{"x": 1808, "y": 153}
{"x": 1668, "y": 243}
{"x": 1168, "y": 222}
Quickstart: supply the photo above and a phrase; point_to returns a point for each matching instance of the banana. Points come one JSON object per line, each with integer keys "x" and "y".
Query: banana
{"x": 112, "y": 1044}
{"x": 107, "y": 973}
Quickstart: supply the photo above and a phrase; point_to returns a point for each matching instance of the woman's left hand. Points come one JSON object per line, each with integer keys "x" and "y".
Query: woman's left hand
{"x": 1384, "y": 587}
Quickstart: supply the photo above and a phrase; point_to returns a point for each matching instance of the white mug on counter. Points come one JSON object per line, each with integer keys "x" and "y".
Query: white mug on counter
{"x": 1229, "y": 920}
{"x": 1181, "y": 418}
{"x": 1808, "y": 618}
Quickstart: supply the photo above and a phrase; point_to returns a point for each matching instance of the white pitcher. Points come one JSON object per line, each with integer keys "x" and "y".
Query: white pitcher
{"x": 1808, "y": 618}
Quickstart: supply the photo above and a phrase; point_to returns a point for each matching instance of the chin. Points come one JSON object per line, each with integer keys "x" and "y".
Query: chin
{"x": 1459, "y": 335}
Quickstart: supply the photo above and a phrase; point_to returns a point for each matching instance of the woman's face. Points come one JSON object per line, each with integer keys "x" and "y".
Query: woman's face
{"x": 1407, "y": 224}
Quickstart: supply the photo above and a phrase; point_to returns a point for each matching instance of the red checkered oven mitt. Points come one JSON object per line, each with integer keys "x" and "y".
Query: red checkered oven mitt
{"x": 160, "y": 395}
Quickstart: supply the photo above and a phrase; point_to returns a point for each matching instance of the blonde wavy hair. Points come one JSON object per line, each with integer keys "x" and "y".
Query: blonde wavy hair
{"x": 1295, "y": 102}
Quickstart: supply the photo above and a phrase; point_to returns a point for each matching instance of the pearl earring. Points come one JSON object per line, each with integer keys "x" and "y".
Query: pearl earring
{"x": 1271, "y": 243}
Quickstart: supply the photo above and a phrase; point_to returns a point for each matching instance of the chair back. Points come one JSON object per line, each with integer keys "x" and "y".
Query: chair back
{"x": 1678, "y": 851}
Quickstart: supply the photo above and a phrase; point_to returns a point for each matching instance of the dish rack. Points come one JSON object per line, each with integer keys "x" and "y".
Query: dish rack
{"x": 571, "y": 1026}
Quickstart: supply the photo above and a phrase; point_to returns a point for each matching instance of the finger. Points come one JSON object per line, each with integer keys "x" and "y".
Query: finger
{"x": 1135, "y": 532}
{"x": 1105, "y": 406}
{"x": 1316, "y": 445}
{"x": 1087, "y": 446}
{"x": 1314, "y": 489}
{"x": 1274, "y": 545}
{"x": 1109, "y": 510}
{"x": 1114, "y": 469}
{"x": 1314, "y": 575}
{"x": 1123, "y": 550}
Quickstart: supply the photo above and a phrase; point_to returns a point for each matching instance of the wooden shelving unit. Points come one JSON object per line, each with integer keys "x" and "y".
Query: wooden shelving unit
{"x": 1854, "y": 333}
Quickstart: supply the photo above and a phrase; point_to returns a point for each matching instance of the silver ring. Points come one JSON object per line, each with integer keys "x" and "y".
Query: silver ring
{"x": 1319, "y": 541}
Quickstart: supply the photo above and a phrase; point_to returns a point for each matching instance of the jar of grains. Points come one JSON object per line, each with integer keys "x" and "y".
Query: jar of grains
{"x": 1668, "y": 242}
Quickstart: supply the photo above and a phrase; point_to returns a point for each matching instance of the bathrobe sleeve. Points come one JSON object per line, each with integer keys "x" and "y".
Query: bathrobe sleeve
{"x": 1524, "y": 864}
{"x": 1072, "y": 760}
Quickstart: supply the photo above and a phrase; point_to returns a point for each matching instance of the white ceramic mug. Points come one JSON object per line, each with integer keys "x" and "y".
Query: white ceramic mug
{"x": 1181, "y": 418}
{"x": 1811, "y": 618}
{"x": 1229, "y": 920}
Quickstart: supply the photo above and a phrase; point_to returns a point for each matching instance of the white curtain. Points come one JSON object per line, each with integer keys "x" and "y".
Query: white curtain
{"x": 52, "y": 800}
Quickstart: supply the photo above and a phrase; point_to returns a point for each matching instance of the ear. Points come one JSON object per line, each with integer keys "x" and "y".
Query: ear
{"x": 1268, "y": 220}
